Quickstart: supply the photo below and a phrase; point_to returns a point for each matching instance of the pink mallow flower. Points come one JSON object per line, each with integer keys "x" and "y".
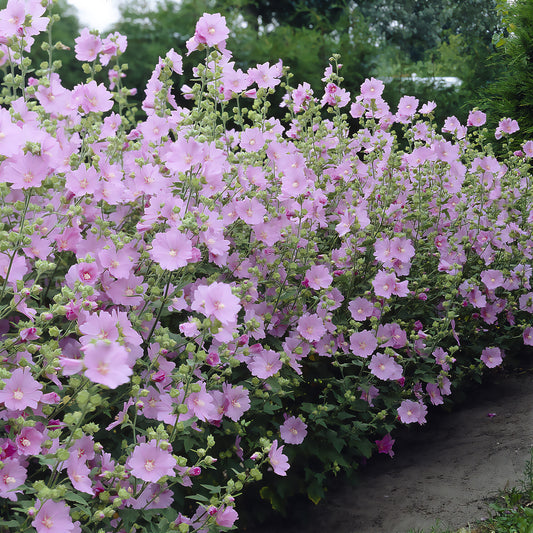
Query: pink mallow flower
{"x": 492, "y": 357}
{"x": 21, "y": 390}
{"x": 278, "y": 460}
{"x": 528, "y": 336}
{"x": 106, "y": 363}
{"x": 150, "y": 463}
{"x": 87, "y": 46}
{"x": 363, "y": 343}
{"x": 78, "y": 473}
{"x": 12, "y": 476}
{"x": 265, "y": 364}
{"x": 385, "y": 445}
{"x": 171, "y": 250}
{"x": 318, "y": 277}
{"x": 311, "y": 327}
{"x": 361, "y": 309}
{"x": 29, "y": 441}
{"x": 385, "y": 367}
{"x": 216, "y": 300}
{"x": 293, "y": 430}
{"x": 507, "y": 126}
{"x": 53, "y": 517}
{"x": 236, "y": 401}
{"x": 410, "y": 411}
{"x": 386, "y": 284}
{"x": 226, "y": 516}
{"x": 492, "y": 279}
{"x": 211, "y": 29}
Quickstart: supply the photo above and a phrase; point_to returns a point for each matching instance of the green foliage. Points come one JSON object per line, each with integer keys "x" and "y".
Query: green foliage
{"x": 512, "y": 94}
{"x": 513, "y": 509}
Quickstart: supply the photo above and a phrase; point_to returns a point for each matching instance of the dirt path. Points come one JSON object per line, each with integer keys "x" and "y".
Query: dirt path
{"x": 445, "y": 471}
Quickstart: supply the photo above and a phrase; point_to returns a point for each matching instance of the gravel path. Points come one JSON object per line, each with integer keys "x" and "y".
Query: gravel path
{"x": 443, "y": 473}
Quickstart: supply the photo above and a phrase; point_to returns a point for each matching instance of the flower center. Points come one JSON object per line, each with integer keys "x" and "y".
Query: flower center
{"x": 18, "y": 394}
{"x": 47, "y": 522}
{"x": 103, "y": 368}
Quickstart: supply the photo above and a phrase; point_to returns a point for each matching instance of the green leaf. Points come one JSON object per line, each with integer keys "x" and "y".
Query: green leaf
{"x": 365, "y": 447}
{"x": 74, "y": 497}
{"x": 315, "y": 491}
{"x": 9, "y": 523}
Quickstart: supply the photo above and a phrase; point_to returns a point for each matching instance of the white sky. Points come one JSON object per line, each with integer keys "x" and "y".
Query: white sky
{"x": 96, "y": 14}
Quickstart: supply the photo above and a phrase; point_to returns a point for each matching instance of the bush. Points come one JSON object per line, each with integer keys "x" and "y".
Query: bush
{"x": 208, "y": 295}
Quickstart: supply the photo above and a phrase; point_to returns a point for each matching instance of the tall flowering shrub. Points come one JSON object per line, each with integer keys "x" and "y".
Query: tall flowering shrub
{"x": 207, "y": 295}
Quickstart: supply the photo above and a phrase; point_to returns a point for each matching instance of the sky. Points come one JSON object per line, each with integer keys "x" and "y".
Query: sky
{"x": 96, "y": 14}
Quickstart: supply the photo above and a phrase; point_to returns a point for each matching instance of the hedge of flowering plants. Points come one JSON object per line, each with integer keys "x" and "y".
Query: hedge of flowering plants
{"x": 209, "y": 297}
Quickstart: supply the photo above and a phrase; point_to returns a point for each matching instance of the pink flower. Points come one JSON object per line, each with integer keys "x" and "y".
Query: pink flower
{"x": 211, "y": 29}
{"x": 492, "y": 357}
{"x": 202, "y": 406}
{"x": 266, "y": 76}
{"x": 525, "y": 302}
{"x": 385, "y": 445}
{"x": 252, "y": 140}
{"x": 111, "y": 45}
{"x": 392, "y": 335}
{"x": 385, "y": 367}
{"x": 265, "y": 364}
{"x": 177, "y": 61}
{"x": 21, "y": 390}
{"x": 476, "y": 118}
{"x": 150, "y": 463}
{"x": 370, "y": 395}
{"x": 250, "y": 210}
{"x": 27, "y": 171}
{"x": 410, "y": 411}
{"x": 118, "y": 262}
{"x": 226, "y": 516}
{"x": 363, "y": 343}
{"x": 29, "y": 441}
{"x": 236, "y": 401}
{"x": 93, "y": 97}
{"x": 372, "y": 88}
{"x": 293, "y": 430}
{"x": 528, "y": 336}
{"x": 53, "y": 517}
{"x": 507, "y": 126}
{"x": 87, "y": 273}
{"x": 428, "y": 108}
{"x": 78, "y": 473}
{"x": 106, "y": 363}
{"x": 87, "y": 46}
{"x": 12, "y": 476}
{"x": 528, "y": 148}
{"x": 98, "y": 326}
{"x": 318, "y": 277}
{"x": 361, "y": 309}
{"x": 434, "y": 394}
{"x": 218, "y": 301}
{"x": 171, "y": 250}
{"x": 278, "y": 460}
{"x": 407, "y": 107}
{"x": 384, "y": 284}
{"x": 492, "y": 279}
{"x": 335, "y": 95}
{"x": 311, "y": 327}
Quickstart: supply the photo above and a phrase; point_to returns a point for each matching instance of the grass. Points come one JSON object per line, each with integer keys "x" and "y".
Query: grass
{"x": 512, "y": 511}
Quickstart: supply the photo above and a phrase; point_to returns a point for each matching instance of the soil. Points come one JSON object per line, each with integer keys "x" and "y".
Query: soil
{"x": 443, "y": 475}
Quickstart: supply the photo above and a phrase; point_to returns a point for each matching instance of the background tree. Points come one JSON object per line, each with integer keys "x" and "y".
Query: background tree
{"x": 511, "y": 95}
